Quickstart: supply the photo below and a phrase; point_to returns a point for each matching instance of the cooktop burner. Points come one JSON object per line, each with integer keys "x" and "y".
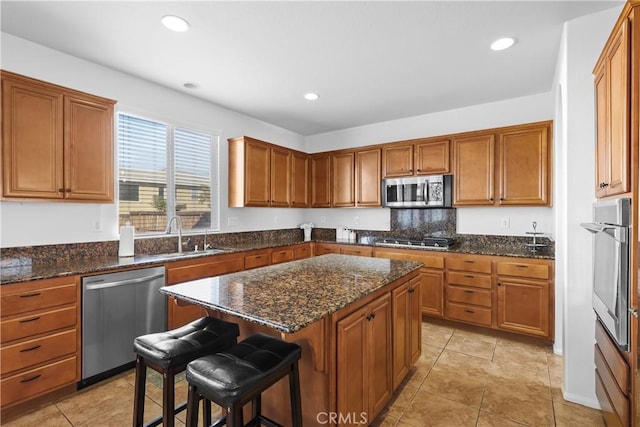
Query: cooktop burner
{"x": 440, "y": 243}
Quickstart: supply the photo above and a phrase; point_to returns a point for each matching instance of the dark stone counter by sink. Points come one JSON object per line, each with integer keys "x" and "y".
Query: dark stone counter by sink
{"x": 287, "y": 297}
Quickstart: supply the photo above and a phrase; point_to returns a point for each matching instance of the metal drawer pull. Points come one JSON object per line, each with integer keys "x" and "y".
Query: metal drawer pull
{"x": 411, "y": 290}
{"x": 469, "y": 276}
{"x": 469, "y": 262}
{"x": 30, "y": 295}
{"x": 33, "y": 319}
{"x": 24, "y": 350}
{"x": 522, "y": 266}
{"x": 258, "y": 256}
{"x": 469, "y": 311}
{"x": 468, "y": 292}
{"x": 31, "y": 379}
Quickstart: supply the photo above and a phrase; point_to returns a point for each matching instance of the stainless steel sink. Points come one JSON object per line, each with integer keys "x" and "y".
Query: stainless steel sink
{"x": 191, "y": 254}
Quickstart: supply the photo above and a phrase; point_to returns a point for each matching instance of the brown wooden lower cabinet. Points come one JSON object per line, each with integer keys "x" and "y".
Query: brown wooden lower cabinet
{"x": 40, "y": 334}
{"x": 364, "y": 383}
{"x": 407, "y": 328}
{"x": 523, "y": 306}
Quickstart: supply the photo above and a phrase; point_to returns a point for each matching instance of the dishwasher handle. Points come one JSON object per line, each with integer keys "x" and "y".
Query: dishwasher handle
{"x": 122, "y": 282}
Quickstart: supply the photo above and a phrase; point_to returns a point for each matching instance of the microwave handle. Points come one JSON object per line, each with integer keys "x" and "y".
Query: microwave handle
{"x": 600, "y": 228}
{"x": 425, "y": 192}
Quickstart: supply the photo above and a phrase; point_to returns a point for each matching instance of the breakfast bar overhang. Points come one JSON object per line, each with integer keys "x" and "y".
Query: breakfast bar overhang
{"x": 357, "y": 320}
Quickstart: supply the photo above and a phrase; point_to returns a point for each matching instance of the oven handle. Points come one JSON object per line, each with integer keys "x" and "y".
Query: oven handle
{"x": 595, "y": 228}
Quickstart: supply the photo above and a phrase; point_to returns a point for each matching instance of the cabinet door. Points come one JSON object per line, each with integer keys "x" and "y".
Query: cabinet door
{"x": 432, "y": 285}
{"x": 368, "y": 177}
{"x": 473, "y": 170}
{"x": 523, "y": 306}
{"x": 379, "y": 355}
{"x": 257, "y": 190}
{"x": 88, "y": 149}
{"x": 415, "y": 319}
{"x": 397, "y": 161}
{"x": 32, "y": 140}
{"x": 524, "y": 166}
{"x": 343, "y": 169}
{"x": 618, "y": 118}
{"x": 280, "y": 177}
{"x": 352, "y": 358}
{"x": 602, "y": 146}
{"x": 299, "y": 180}
{"x": 321, "y": 181}
{"x": 401, "y": 332}
{"x": 432, "y": 157}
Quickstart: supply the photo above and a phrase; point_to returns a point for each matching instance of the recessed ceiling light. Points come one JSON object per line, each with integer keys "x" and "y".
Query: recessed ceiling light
{"x": 502, "y": 44}
{"x": 311, "y": 96}
{"x": 191, "y": 85}
{"x": 175, "y": 23}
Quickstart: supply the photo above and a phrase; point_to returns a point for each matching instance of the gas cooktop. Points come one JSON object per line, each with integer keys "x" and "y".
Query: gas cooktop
{"x": 437, "y": 243}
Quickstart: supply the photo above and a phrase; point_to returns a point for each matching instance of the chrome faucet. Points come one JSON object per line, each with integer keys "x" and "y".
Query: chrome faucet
{"x": 179, "y": 226}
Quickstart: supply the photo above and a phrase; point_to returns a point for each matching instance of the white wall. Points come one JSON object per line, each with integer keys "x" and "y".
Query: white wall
{"x": 25, "y": 224}
{"x": 496, "y": 114}
{"x": 582, "y": 42}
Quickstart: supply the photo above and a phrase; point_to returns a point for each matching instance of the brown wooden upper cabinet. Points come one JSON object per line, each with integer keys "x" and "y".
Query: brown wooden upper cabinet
{"x": 299, "y": 180}
{"x": 513, "y": 163}
{"x": 356, "y": 178}
{"x": 57, "y": 143}
{"x": 417, "y": 157}
{"x": 612, "y": 87}
{"x": 262, "y": 174}
{"x": 321, "y": 180}
{"x": 473, "y": 159}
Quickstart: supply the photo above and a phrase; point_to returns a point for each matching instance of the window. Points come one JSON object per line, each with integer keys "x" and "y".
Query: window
{"x": 166, "y": 170}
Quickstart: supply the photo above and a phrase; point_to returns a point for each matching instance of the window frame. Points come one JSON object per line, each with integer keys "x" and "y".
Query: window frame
{"x": 214, "y": 179}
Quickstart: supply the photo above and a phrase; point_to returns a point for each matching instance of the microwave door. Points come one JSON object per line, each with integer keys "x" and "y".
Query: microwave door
{"x": 394, "y": 195}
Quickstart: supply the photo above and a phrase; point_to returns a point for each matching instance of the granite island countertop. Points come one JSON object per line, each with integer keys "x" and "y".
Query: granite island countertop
{"x": 289, "y": 296}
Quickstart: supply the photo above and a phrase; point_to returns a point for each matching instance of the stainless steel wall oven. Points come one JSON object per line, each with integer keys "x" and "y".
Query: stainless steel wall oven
{"x": 610, "y": 228}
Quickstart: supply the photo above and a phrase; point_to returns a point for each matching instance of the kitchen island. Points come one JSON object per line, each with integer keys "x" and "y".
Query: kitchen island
{"x": 356, "y": 318}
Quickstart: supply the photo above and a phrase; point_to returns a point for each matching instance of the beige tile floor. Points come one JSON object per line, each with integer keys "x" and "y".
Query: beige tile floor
{"x": 464, "y": 377}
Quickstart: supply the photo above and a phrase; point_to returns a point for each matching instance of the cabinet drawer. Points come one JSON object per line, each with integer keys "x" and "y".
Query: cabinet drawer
{"x": 521, "y": 269}
{"x": 469, "y": 279}
{"x": 36, "y": 381}
{"x": 357, "y": 251}
{"x": 469, "y": 296}
{"x": 28, "y": 353}
{"x": 471, "y": 264}
{"x": 422, "y": 256}
{"x": 302, "y": 252}
{"x": 617, "y": 398}
{"x": 608, "y": 413}
{"x": 467, "y": 313}
{"x": 37, "y": 323}
{"x": 283, "y": 255}
{"x": 37, "y": 299}
{"x": 321, "y": 249}
{"x": 255, "y": 261}
{"x": 614, "y": 360}
{"x": 199, "y": 270}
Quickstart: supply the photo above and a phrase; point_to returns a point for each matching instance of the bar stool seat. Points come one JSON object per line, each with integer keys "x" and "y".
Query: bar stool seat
{"x": 169, "y": 352}
{"x": 239, "y": 375}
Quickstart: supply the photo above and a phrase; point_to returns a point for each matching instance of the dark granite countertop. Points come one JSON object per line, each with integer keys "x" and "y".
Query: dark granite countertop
{"x": 22, "y": 269}
{"x": 289, "y": 296}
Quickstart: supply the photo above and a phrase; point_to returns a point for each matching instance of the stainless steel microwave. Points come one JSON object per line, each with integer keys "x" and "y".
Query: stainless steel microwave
{"x": 433, "y": 191}
{"x": 610, "y": 229}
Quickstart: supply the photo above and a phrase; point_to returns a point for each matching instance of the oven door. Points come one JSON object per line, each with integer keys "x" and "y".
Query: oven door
{"x": 611, "y": 279}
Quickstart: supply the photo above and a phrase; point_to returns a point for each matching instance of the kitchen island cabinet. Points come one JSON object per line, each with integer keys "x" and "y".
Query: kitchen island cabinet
{"x": 338, "y": 308}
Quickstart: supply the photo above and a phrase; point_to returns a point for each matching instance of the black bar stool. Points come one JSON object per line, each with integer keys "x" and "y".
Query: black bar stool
{"x": 168, "y": 353}
{"x": 240, "y": 375}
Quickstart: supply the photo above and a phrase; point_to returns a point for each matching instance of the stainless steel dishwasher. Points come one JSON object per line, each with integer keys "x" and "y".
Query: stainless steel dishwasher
{"x": 116, "y": 308}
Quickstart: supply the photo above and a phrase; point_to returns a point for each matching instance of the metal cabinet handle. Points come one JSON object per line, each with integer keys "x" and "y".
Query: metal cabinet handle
{"x": 68, "y": 190}
{"x": 33, "y": 319}
{"x": 31, "y": 295}
{"x": 35, "y": 347}
{"x": 522, "y": 266}
{"x": 469, "y": 262}
{"x": 35, "y": 377}
{"x": 469, "y": 276}
{"x": 469, "y": 311}
{"x": 411, "y": 290}
{"x": 468, "y": 291}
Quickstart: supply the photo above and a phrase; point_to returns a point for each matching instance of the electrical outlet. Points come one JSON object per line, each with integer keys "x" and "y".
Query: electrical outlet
{"x": 276, "y": 219}
{"x": 356, "y": 220}
{"x": 97, "y": 225}
{"x": 505, "y": 222}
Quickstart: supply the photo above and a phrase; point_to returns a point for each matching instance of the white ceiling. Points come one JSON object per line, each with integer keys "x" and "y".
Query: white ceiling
{"x": 369, "y": 61}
